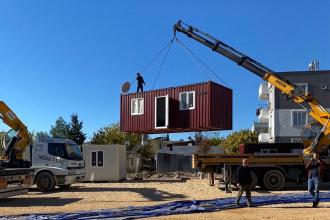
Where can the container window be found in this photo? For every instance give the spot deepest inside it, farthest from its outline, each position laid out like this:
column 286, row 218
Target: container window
column 93, row 159
column 100, row 158
column 161, row 112
column 137, row 106
column 187, row 100
column 97, row 158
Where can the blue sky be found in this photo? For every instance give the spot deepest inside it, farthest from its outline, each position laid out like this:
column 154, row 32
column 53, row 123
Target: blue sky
column 59, row 57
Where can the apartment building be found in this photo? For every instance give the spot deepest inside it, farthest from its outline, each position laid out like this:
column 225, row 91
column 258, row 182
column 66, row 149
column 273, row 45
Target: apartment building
column 280, row 120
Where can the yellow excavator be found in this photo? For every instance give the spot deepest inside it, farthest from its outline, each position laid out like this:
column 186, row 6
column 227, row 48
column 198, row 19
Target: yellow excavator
column 22, row 139
column 319, row 143
column 15, row 172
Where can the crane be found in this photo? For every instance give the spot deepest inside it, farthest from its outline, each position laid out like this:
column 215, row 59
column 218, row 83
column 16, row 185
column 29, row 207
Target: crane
column 296, row 93
column 20, row 140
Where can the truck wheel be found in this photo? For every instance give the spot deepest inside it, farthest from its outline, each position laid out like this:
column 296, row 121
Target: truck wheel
column 65, row 186
column 274, row 180
column 45, row 182
column 254, row 180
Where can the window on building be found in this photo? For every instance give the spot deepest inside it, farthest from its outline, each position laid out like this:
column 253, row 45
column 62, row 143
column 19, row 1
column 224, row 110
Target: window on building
column 187, row 100
column 299, row 118
column 303, row 87
column 97, row 158
column 137, row 106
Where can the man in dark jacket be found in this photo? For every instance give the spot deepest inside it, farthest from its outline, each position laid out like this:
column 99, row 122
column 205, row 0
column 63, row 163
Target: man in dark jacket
column 244, row 180
column 314, row 168
column 140, row 82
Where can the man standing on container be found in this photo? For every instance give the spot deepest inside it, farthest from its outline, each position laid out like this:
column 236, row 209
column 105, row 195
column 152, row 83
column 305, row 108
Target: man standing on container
column 314, row 167
column 244, row 181
column 140, row 82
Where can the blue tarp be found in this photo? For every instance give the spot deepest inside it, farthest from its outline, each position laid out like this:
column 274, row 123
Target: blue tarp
column 175, row 208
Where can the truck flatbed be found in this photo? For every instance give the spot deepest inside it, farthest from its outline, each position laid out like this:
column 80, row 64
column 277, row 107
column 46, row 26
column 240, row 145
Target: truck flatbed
column 203, row 161
column 14, row 171
column 269, row 170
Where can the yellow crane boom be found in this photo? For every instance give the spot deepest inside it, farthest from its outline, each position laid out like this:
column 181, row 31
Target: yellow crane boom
column 297, row 94
column 22, row 138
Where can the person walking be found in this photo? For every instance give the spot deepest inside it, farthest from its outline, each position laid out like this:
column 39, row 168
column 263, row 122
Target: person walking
column 314, row 168
column 244, row 181
column 140, row 82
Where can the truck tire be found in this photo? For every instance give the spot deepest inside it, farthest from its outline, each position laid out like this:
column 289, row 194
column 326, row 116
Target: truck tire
column 274, row 180
column 65, row 186
column 45, row 182
column 254, row 180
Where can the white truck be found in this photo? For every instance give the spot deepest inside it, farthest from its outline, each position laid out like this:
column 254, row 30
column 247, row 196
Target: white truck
column 55, row 162
column 46, row 162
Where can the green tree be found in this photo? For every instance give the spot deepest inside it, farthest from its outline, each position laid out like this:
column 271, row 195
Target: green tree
column 111, row 134
column 213, row 139
column 232, row 141
column 40, row 134
column 60, row 129
column 75, row 132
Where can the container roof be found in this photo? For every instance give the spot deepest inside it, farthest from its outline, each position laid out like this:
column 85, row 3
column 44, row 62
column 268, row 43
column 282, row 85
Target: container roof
column 176, row 87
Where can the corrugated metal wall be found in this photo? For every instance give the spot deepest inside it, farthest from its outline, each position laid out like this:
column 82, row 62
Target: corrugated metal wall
column 212, row 111
column 173, row 163
column 222, row 109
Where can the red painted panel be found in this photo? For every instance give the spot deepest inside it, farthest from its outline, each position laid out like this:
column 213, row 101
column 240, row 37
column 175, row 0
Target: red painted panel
column 213, row 110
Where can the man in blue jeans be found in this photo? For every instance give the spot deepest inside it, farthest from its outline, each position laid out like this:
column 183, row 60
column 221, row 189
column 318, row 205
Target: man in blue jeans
column 314, row 167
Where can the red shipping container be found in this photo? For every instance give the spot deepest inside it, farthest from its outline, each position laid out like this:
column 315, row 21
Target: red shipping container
column 197, row 107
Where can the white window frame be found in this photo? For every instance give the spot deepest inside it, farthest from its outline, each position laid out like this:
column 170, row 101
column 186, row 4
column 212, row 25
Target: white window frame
column 303, row 84
column 187, row 97
column 97, row 158
column 132, row 106
column 306, row 119
column 167, row 110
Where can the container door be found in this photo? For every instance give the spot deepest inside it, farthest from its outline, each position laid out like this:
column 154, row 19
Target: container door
column 161, row 112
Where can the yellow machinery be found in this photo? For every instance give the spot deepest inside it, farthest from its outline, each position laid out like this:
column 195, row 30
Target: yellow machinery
column 320, row 142
column 20, row 140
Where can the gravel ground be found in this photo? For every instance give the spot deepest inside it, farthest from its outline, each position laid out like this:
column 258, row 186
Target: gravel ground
column 94, row 196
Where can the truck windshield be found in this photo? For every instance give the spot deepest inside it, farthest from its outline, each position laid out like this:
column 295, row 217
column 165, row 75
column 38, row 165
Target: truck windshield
column 73, row 151
column 64, row 150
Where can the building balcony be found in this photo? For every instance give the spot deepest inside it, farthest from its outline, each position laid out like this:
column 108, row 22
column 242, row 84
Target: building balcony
column 263, row 114
column 260, row 127
column 263, row 91
column 264, row 138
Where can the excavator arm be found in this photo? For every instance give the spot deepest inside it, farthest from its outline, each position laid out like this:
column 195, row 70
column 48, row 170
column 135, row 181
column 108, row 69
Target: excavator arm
column 22, row 138
column 296, row 93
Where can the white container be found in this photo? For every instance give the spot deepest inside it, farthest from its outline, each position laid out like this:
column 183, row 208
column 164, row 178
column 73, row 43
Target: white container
column 104, row 162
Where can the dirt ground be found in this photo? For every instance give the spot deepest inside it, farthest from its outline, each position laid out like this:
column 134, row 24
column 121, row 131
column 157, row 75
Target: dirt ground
column 95, row 196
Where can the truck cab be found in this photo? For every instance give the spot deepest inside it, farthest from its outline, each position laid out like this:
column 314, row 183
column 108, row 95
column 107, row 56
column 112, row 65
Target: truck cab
column 55, row 162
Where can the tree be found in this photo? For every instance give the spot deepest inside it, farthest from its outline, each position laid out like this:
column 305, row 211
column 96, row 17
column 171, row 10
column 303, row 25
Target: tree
column 75, row 130
column 111, row 134
column 199, row 138
column 204, row 147
column 40, row 134
column 213, row 139
column 61, row 128
column 232, row 141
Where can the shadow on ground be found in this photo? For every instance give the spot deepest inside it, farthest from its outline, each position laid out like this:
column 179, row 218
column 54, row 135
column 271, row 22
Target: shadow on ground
column 151, row 194
column 28, row 202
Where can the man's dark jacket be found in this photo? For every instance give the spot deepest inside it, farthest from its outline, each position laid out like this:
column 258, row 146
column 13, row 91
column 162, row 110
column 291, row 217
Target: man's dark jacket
column 244, row 176
column 319, row 165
